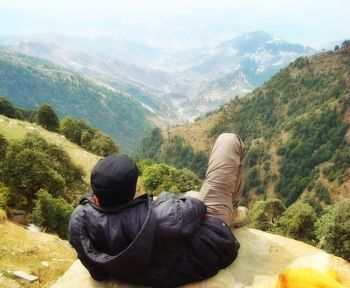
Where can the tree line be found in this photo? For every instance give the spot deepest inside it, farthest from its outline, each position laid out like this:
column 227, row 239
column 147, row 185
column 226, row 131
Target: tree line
column 76, row 130
column 173, row 151
column 40, row 178
column 327, row 228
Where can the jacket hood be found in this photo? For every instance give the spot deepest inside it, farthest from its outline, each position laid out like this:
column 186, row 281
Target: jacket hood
column 130, row 257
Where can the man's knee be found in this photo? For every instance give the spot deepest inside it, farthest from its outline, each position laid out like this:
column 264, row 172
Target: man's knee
column 232, row 139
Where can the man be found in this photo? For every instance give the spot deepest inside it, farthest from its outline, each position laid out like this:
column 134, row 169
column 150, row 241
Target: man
column 166, row 242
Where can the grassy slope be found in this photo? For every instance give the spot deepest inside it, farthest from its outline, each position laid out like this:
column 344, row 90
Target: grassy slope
column 21, row 249
column 196, row 134
column 15, row 129
column 271, row 111
column 28, row 82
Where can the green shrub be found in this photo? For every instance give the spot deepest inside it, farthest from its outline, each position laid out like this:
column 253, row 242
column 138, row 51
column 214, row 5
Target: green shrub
column 297, row 222
column 322, row 193
column 6, row 108
column 102, row 145
column 251, row 178
column 266, row 165
column 3, row 146
column 32, row 164
column 261, row 189
column 150, row 145
column 252, row 156
column 178, row 153
column 158, row 177
column 264, row 214
column 175, row 151
column 161, row 177
column 186, row 180
column 143, row 163
column 333, row 229
column 92, row 139
column 52, row 213
column 330, row 173
column 4, row 195
column 47, row 118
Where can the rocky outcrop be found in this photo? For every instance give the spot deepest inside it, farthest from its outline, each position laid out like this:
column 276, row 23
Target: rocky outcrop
column 262, row 258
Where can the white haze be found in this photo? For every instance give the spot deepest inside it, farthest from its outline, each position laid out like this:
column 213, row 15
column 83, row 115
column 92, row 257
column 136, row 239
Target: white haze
column 180, row 23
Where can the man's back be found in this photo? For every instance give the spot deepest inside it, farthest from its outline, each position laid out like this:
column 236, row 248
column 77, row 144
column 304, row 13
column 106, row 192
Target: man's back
column 162, row 243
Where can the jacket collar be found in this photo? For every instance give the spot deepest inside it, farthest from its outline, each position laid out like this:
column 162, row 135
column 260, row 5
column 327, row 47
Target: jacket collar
column 117, row 208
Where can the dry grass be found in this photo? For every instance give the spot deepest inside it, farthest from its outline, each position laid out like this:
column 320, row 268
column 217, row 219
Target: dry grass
column 21, row 249
column 196, row 133
column 3, row 216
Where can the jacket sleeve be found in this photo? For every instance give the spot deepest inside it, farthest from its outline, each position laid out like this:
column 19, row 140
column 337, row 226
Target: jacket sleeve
column 75, row 239
column 178, row 215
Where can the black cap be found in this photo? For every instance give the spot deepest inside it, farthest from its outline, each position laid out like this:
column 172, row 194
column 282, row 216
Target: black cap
column 113, row 180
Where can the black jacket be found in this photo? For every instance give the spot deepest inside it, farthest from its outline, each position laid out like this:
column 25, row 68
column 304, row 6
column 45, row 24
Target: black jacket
column 162, row 243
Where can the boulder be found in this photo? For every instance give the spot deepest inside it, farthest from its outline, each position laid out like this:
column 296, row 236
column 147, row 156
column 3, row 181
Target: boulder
column 262, row 257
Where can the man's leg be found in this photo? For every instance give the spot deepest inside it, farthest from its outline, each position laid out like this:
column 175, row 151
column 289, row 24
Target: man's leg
column 222, row 187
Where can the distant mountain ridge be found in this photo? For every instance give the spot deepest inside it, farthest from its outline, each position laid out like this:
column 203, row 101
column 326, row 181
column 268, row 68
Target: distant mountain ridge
column 233, row 69
column 175, row 84
column 28, row 82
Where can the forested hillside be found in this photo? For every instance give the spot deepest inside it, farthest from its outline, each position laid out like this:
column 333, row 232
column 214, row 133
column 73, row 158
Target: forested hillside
column 29, row 82
column 297, row 136
column 295, row 129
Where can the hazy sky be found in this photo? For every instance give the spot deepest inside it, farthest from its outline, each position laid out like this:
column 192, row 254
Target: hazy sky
column 311, row 22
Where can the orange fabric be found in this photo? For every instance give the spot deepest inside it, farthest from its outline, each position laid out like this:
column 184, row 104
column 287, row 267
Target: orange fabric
column 95, row 199
column 308, row 278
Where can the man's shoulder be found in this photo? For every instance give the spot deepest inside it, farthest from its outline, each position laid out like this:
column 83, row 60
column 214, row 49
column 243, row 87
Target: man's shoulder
column 170, row 197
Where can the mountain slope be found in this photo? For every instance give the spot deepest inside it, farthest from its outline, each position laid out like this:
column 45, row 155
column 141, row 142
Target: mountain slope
column 142, row 83
column 176, row 83
column 232, row 69
column 296, row 128
column 29, row 82
column 41, row 254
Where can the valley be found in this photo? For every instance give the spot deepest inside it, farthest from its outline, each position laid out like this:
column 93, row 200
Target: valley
column 177, row 85
column 154, row 84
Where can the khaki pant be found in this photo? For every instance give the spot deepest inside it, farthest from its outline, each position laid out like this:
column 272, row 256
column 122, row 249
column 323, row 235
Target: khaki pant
column 222, row 187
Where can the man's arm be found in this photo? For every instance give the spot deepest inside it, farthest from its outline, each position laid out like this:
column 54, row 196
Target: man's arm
column 178, row 215
column 75, row 232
